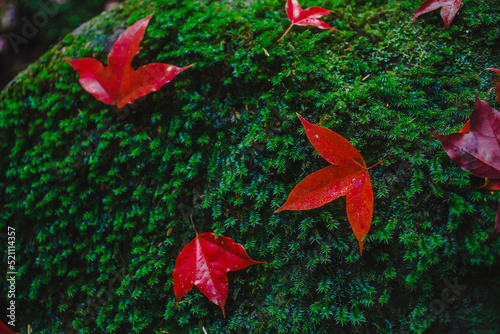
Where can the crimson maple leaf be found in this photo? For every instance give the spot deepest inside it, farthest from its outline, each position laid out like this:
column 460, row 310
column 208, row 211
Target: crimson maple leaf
column 449, row 9
column 498, row 82
column 204, row 262
column 476, row 148
column 348, row 176
column 118, row 83
column 304, row 17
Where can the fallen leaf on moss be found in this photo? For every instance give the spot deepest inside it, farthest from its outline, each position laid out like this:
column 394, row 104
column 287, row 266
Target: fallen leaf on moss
column 304, row 17
column 348, row 176
column 449, row 8
column 204, row 262
column 118, row 83
column 476, row 148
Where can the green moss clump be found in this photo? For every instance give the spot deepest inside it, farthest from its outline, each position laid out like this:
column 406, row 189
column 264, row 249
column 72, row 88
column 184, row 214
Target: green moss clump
column 100, row 197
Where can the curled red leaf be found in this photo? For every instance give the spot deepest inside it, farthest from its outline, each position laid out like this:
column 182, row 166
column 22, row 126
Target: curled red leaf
column 476, row 150
column 476, row 147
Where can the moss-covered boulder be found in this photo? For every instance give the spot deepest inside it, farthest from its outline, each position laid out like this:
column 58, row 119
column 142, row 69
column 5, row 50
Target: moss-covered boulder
column 100, row 197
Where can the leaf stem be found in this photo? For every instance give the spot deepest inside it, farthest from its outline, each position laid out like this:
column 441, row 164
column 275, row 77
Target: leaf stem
column 286, row 32
column 191, row 219
column 379, row 162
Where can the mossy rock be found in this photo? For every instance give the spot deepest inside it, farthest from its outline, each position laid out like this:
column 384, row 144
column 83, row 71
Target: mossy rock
column 100, row 197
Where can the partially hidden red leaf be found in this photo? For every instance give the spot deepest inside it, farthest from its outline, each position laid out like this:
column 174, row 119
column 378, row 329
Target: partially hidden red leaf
column 204, row 262
column 491, row 184
column 348, row 176
column 304, row 17
column 118, row 83
column 477, row 150
column 476, row 147
column 4, row 329
column 449, row 8
column 498, row 82
column 465, row 128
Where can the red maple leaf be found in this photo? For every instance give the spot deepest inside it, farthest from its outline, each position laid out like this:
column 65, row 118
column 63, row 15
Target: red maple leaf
column 348, row 176
column 204, row 262
column 118, row 83
column 498, row 82
column 476, row 148
column 449, row 9
column 304, row 17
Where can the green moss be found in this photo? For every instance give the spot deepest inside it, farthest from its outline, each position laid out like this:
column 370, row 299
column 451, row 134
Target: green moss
column 101, row 197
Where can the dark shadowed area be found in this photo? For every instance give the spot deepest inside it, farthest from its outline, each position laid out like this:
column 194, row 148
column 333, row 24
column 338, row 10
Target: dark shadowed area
column 29, row 28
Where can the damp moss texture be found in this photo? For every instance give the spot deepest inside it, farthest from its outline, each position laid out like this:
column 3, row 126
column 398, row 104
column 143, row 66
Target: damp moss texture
column 100, row 197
